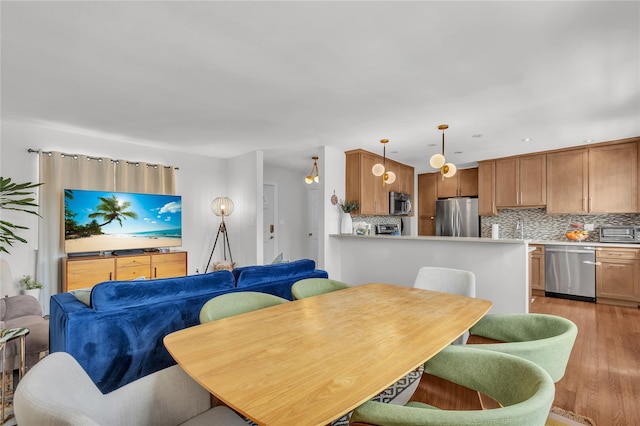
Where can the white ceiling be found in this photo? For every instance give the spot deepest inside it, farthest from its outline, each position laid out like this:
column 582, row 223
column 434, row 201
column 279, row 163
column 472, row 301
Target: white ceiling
column 226, row 78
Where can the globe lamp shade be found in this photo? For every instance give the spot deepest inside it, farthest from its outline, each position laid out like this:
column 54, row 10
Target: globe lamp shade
column 389, row 177
column 437, row 161
column 222, row 206
column 449, row 169
column 377, row 169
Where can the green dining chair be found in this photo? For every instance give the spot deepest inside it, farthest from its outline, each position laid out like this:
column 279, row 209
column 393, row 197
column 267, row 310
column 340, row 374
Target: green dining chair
column 230, row 304
column 315, row 286
column 544, row 339
column 524, row 390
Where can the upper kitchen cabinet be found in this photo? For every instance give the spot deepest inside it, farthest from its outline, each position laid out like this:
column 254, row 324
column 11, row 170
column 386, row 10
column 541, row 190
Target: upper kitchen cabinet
column 463, row 184
column 602, row 179
column 368, row 189
column 427, row 197
column 613, row 179
column 487, row 188
column 567, row 181
column 521, row 181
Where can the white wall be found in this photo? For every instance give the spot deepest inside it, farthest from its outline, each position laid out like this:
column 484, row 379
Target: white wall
column 333, row 174
column 291, row 222
column 245, row 224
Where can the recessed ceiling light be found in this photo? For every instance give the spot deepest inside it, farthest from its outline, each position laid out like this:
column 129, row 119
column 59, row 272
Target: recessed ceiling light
column 527, row 139
column 477, row 135
column 588, row 141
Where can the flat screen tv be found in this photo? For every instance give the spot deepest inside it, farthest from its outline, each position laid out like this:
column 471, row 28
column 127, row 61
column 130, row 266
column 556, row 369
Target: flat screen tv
column 96, row 221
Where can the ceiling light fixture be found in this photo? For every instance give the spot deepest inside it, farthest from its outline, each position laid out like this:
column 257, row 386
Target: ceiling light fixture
column 311, row 178
column 438, row 161
column 381, row 169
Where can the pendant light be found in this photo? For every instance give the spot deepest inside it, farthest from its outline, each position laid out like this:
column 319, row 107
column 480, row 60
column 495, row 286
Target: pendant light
column 437, row 161
column 378, row 169
column 311, row 178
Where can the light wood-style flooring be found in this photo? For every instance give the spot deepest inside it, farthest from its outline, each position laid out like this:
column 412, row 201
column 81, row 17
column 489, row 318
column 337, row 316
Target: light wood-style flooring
column 602, row 380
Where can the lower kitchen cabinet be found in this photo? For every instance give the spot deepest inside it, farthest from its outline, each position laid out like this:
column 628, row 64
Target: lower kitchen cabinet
column 618, row 276
column 536, row 270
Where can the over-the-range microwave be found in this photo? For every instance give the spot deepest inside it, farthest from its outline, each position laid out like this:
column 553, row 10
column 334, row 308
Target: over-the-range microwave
column 399, row 204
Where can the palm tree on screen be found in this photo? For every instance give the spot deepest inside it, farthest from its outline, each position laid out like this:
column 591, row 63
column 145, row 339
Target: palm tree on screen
column 111, row 209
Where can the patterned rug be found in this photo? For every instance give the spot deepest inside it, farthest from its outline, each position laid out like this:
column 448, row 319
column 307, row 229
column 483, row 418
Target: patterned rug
column 401, row 391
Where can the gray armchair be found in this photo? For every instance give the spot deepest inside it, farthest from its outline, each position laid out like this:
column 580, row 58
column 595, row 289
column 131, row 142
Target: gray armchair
column 24, row 311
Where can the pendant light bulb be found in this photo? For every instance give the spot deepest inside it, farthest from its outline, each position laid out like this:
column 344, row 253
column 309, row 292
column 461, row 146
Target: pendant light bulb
column 377, row 169
column 316, row 179
column 308, row 179
column 437, row 161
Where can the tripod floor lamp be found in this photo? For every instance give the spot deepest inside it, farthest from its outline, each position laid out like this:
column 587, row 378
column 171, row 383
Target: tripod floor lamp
column 221, row 206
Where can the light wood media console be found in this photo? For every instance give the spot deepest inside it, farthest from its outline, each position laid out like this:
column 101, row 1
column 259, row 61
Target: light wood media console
column 85, row 272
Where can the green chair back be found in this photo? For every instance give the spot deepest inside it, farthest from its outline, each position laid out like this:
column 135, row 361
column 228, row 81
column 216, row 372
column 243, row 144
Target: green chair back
column 230, row 304
column 524, row 390
column 544, row 339
column 315, row 286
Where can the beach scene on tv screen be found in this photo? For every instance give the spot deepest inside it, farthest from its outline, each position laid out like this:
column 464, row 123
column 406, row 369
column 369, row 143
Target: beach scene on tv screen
column 107, row 221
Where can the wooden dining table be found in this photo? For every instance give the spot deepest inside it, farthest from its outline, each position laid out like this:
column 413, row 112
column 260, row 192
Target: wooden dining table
column 311, row 361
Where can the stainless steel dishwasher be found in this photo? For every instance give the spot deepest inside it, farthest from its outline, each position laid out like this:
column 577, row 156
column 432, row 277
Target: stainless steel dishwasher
column 570, row 272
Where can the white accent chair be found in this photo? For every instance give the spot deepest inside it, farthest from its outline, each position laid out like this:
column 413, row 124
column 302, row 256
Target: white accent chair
column 57, row 391
column 447, row 280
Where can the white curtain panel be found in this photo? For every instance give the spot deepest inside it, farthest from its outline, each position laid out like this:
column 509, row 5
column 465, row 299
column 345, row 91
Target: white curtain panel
column 60, row 171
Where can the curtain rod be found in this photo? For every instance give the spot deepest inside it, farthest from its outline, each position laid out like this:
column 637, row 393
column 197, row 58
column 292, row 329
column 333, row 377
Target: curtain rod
column 75, row 157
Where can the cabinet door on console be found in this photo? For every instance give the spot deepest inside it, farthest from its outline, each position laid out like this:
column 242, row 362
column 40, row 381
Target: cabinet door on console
column 85, row 273
column 167, row 265
column 131, row 267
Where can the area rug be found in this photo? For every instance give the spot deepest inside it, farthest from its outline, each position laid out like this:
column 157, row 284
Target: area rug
column 560, row 417
column 401, row 391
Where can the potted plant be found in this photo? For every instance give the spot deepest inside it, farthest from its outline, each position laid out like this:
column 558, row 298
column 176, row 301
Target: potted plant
column 17, row 197
column 346, row 223
column 31, row 286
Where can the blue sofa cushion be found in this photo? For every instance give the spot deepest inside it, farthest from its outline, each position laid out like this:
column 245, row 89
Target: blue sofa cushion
column 250, row 275
column 113, row 295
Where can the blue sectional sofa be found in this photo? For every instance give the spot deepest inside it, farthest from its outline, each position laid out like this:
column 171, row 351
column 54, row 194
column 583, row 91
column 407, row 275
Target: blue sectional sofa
column 117, row 337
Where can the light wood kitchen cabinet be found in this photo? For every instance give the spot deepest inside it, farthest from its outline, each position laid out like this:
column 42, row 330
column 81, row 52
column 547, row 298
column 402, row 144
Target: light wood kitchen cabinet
column 613, row 179
column 593, row 180
column 536, row 270
column 487, row 188
column 521, row 181
column 368, row 189
column 567, row 181
column 463, row 184
column 427, row 197
column 618, row 276
column 86, row 272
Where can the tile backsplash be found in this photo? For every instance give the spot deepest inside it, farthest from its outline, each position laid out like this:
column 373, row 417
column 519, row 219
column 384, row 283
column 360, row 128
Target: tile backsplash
column 538, row 225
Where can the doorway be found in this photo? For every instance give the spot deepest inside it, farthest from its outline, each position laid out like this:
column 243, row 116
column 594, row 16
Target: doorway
column 269, row 234
column 313, row 206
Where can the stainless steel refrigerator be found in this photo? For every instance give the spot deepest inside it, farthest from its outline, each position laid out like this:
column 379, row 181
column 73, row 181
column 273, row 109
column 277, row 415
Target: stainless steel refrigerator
column 457, row 217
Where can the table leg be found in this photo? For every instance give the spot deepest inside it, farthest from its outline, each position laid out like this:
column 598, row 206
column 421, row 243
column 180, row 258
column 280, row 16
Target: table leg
column 23, row 340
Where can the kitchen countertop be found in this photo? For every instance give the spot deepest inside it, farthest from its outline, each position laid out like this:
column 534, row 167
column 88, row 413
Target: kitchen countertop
column 491, row 240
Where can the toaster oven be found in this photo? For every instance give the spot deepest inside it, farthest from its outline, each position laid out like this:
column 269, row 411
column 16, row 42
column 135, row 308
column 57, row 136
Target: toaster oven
column 620, row 234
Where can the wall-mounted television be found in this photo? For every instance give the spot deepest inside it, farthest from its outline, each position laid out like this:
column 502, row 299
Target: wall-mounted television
column 96, row 221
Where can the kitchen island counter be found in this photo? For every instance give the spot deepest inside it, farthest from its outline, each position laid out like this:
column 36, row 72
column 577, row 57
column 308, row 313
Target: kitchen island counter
column 500, row 266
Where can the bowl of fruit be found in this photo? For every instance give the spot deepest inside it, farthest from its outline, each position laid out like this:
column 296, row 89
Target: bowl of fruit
column 577, row 233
